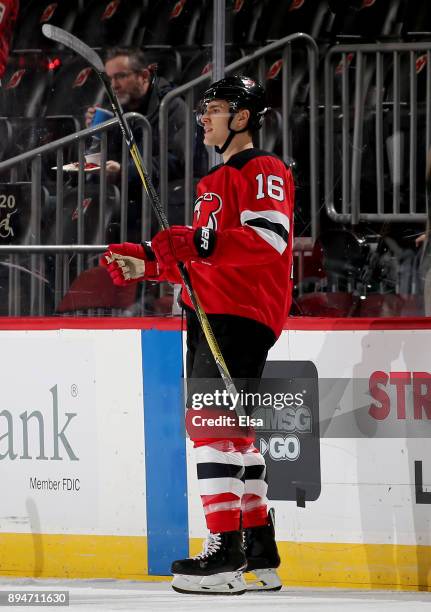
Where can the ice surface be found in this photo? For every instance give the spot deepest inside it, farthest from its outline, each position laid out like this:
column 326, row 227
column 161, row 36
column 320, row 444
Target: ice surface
column 110, row 595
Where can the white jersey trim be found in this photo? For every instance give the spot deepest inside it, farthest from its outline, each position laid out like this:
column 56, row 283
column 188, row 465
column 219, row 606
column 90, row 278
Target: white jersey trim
column 271, row 225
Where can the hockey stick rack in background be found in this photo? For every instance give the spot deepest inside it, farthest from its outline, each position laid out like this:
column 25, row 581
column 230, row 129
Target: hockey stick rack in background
column 71, row 42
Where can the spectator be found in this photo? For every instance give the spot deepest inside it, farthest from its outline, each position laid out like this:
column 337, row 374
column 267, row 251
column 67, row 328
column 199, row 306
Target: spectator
column 140, row 90
column 8, row 15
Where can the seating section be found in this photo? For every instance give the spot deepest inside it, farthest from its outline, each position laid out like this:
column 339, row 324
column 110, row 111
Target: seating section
column 46, row 91
column 90, row 216
column 76, row 87
column 108, row 23
column 166, row 60
column 93, row 289
column 24, row 85
column 368, row 20
column 334, row 304
column 279, row 19
column 416, row 20
column 172, row 22
column 28, row 34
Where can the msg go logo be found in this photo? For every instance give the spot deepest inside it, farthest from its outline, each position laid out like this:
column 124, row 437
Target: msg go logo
column 281, row 448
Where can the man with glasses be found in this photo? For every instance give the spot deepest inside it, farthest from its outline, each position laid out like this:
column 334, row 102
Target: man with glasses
column 139, row 89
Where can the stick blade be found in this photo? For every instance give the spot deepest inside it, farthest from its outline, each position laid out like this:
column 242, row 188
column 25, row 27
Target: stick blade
column 70, row 41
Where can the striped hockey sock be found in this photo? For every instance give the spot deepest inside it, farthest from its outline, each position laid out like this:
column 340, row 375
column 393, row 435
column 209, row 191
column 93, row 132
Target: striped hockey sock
column 254, row 501
column 220, row 471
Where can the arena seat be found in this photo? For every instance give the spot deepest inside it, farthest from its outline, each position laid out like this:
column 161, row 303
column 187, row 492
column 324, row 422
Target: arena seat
column 92, row 289
column 311, row 274
column 279, row 19
column 317, row 304
column 15, row 220
column 271, row 131
column 404, row 131
column 201, row 63
column 299, row 87
column 381, row 305
column 76, row 87
column 108, row 23
column 204, row 34
column 412, row 306
column 416, row 20
column 28, row 32
column 345, row 253
column 16, row 229
column 367, row 20
column 24, row 85
column 172, row 22
column 23, row 134
column 166, row 58
column 5, row 137
column 90, row 217
column 246, row 16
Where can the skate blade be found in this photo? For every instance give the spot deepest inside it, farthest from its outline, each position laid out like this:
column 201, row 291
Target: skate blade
column 266, row 580
column 226, row 583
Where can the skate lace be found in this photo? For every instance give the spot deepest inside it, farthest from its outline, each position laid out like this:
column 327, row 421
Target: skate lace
column 212, row 545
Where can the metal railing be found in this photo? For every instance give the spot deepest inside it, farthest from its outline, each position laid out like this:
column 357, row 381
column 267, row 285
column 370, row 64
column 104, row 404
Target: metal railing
column 385, row 127
column 41, row 238
column 385, row 101
column 187, row 91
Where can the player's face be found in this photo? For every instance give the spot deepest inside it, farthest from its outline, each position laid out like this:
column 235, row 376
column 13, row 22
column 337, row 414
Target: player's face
column 215, row 120
column 129, row 85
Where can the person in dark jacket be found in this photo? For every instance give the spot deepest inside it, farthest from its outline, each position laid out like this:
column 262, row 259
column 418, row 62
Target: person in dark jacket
column 140, row 89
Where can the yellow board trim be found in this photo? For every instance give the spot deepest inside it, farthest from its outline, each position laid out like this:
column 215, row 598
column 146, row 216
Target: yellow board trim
column 73, row 556
column 309, row 564
column 351, row 566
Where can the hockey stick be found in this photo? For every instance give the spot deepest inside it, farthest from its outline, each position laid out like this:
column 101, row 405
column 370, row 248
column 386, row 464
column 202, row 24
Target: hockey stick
column 71, row 42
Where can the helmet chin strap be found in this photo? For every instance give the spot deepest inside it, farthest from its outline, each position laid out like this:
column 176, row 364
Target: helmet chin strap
column 232, row 134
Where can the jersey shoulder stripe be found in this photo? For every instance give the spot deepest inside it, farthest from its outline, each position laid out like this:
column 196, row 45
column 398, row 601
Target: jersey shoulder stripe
column 271, row 225
column 239, row 160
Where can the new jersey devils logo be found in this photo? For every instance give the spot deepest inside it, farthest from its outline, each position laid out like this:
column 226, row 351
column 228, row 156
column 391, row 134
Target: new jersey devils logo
column 110, row 10
column 82, row 77
column 177, row 10
column 296, row 4
column 420, row 63
column 274, row 70
column 238, row 6
column 206, row 208
column 85, row 204
column 16, row 79
column 207, row 68
column 48, row 12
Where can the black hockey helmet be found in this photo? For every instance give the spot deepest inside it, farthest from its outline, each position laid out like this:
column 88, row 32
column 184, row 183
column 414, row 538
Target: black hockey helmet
column 240, row 92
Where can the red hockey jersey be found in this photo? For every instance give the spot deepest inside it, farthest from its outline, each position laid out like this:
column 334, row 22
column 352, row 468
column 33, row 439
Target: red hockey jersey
column 249, row 202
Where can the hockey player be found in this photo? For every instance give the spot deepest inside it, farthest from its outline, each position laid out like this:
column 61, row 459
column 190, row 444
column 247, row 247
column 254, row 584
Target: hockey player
column 239, row 256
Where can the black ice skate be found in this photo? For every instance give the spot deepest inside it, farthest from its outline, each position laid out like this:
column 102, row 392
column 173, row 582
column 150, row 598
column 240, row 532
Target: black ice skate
column 217, row 570
column 262, row 556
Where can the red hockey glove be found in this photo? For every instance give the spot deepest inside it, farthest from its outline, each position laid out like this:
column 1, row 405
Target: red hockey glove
column 130, row 263
column 182, row 243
